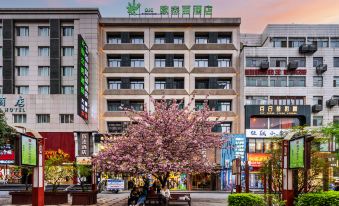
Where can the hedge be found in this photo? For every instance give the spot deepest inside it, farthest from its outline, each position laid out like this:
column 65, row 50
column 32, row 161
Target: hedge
column 330, row 198
column 245, row 199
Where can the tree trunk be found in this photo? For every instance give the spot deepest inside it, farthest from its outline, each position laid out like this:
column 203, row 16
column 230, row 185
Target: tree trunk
column 163, row 179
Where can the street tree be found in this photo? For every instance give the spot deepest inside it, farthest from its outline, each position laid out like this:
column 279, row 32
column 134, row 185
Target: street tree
column 170, row 139
column 6, row 131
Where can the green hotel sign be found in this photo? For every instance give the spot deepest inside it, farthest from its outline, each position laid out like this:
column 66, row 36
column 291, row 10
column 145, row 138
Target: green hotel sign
column 134, row 9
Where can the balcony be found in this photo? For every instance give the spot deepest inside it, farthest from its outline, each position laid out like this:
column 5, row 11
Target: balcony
column 317, row 108
column 165, row 88
column 331, row 103
column 292, row 65
column 264, row 65
column 320, row 69
column 307, row 49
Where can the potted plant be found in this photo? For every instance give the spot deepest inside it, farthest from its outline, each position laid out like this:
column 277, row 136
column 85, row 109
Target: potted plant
column 23, row 197
column 58, row 169
column 86, row 196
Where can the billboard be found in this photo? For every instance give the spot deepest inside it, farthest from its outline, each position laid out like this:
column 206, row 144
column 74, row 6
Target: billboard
column 297, row 153
column 234, row 147
column 257, row 159
column 83, row 80
column 28, row 146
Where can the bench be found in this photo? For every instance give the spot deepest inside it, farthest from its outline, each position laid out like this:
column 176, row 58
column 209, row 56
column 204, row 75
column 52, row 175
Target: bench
column 178, row 197
column 155, row 200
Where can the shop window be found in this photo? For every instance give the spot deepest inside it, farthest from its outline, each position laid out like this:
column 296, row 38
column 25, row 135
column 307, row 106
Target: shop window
column 258, row 123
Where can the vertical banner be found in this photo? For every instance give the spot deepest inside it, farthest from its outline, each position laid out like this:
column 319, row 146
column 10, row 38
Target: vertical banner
column 83, row 79
column 84, row 145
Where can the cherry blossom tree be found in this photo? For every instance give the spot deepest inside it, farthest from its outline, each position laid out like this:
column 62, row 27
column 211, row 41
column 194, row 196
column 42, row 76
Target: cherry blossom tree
column 170, row 139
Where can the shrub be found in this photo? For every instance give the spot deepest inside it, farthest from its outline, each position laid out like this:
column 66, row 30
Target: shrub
column 330, row 198
column 245, row 199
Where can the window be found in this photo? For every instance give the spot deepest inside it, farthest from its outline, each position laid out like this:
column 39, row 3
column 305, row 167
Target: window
column 295, row 42
column 321, row 42
column 0, row 31
column 137, row 40
column 22, row 51
column 67, row 90
column 67, row 71
column 137, row 84
column 22, row 31
column 336, row 119
column 317, row 81
column 67, row 51
column 335, row 42
column 287, row 100
column 278, row 81
column 160, row 62
column 224, row 40
column 114, row 62
column 201, row 62
column 257, row 81
column 113, row 39
column 178, row 63
column 19, row 118
column 317, row 100
column 296, row 81
column 43, row 31
column 43, row 71
column 114, row 84
column 114, row 106
column 178, row 40
column 224, row 127
column 279, row 42
column 301, row 61
column 22, row 71
column 1, row 90
column 224, row 62
column 67, row 31
column 42, row 118
column 22, row 89
column 251, row 145
column 201, row 40
column 335, row 61
column 43, row 89
column 224, row 105
column 160, row 84
column 256, row 100
column 224, row 84
column 137, row 63
column 317, row 120
column 66, row 118
column 336, row 81
column 43, row 51
column 278, row 61
column 117, row 127
column 0, row 51
column 317, row 61
column 255, row 61
column 0, row 71
column 159, row 40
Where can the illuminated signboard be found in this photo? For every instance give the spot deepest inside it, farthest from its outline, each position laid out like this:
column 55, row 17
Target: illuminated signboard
column 28, row 150
column 134, row 9
column 83, row 79
column 297, row 153
column 255, row 72
column 257, row 159
column 7, row 153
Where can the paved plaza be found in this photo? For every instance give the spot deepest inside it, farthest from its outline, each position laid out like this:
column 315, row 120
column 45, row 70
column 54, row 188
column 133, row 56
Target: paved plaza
column 198, row 199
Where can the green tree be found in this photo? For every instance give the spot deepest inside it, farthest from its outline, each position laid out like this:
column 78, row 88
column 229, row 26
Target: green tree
column 83, row 172
column 6, row 131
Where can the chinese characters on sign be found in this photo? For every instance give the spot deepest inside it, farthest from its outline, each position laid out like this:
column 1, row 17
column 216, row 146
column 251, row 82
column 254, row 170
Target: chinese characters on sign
column 278, row 110
column 19, row 105
column 255, row 72
column 134, row 9
column 84, row 145
column 83, row 80
column 265, row 132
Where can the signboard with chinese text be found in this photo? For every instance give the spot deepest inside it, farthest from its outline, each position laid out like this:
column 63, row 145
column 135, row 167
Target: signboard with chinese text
column 115, row 184
column 83, row 78
column 266, row 132
column 297, row 153
column 275, row 72
column 7, row 154
column 84, row 145
column 257, row 159
column 16, row 106
column 29, row 153
column 134, row 9
column 84, row 160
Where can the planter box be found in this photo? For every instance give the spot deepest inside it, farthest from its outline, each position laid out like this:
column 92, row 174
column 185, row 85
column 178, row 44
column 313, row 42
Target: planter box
column 21, row 198
column 84, row 198
column 55, row 198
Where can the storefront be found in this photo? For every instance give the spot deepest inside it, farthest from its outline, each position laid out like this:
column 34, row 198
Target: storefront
column 263, row 124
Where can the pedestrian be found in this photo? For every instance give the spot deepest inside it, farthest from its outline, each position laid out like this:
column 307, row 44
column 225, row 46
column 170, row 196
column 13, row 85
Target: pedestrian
column 133, row 197
column 143, row 196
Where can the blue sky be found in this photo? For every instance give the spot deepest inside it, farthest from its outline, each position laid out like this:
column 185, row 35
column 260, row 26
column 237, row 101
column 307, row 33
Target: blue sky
column 255, row 14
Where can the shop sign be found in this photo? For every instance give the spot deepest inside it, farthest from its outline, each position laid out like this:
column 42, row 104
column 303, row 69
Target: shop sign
column 17, row 107
column 278, row 110
column 7, row 154
column 297, row 153
column 83, row 79
column 84, row 145
column 274, row 72
column 134, row 9
column 234, row 147
column 257, row 159
column 266, row 132
column 28, row 147
column 84, row 160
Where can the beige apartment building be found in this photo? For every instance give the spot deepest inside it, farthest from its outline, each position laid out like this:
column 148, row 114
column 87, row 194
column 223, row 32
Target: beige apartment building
column 172, row 58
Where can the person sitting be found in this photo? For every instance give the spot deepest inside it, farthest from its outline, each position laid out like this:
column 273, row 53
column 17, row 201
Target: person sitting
column 133, row 197
column 166, row 195
column 143, row 196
